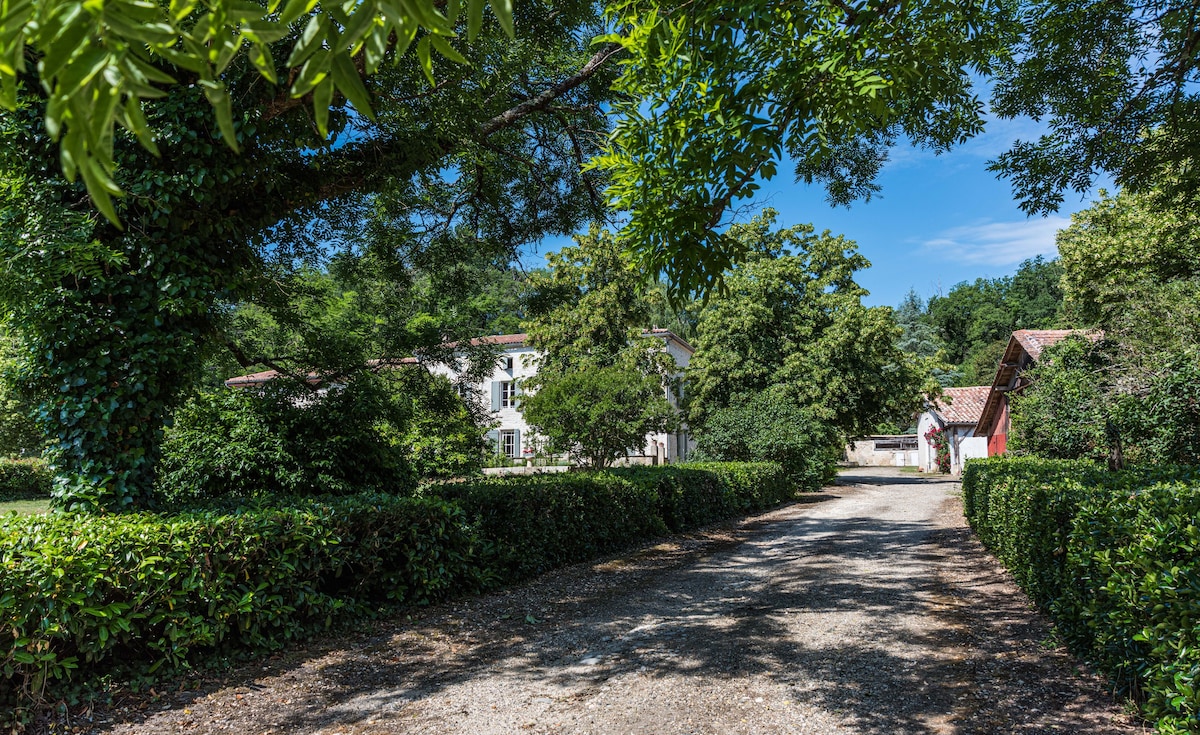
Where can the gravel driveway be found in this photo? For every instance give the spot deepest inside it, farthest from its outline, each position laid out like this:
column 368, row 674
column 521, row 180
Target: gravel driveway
column 868, row 608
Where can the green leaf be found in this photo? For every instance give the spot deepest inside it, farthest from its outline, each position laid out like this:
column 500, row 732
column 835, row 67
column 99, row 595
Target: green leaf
column 445, row 49
column 345, row 76
column 474, row 19
column 218, row 97
column 504, row 13
column 424, row 59
column 322, row 99
column 260, row 56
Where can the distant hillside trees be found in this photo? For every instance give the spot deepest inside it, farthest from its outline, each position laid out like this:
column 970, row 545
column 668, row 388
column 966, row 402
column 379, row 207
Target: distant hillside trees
column 974, row 320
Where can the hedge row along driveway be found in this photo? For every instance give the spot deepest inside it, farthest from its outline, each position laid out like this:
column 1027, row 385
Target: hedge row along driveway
column 140, row 594
column 867, row 609
column 1114, row 557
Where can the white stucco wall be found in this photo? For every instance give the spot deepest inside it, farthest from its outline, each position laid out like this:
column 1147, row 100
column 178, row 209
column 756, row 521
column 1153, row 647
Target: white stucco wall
column 973, row 447
column 926, row 459
column 674, row 447
column 963, row 444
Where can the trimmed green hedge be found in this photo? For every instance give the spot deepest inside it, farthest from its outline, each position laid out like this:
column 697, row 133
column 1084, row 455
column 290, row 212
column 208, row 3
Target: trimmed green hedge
column 535, row 523
column 1114, row 557
column 695, row 494
column 24, row 479
column 142, row 591
column 138, row 593
column 539, row 522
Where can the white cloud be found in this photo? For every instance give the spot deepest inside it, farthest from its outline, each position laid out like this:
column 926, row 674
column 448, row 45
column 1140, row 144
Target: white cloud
column 996, row 243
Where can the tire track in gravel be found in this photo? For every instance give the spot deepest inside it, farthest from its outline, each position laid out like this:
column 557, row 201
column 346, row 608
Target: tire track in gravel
column 868, row 608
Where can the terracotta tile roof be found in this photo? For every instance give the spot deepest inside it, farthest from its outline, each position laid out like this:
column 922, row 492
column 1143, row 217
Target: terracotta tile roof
column 1036, row 340
column 1031, row 342
column 507, row 340
column 267, row 376
column 962, row 405
column 252, row 379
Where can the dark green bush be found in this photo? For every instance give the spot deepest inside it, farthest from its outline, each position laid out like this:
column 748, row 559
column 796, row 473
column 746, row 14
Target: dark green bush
column 539, row 522
column 24, row 479
column 1112, row 556
column 282, row 438
column 143, row 591
column 698, row 493
column 771, row 428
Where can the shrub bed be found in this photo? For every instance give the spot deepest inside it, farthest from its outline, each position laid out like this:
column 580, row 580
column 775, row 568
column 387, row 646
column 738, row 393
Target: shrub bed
column 1114, row 557
column 691, row 495
column 534, row 523
column 145, row 592
column 24, row 479
column 140, row 593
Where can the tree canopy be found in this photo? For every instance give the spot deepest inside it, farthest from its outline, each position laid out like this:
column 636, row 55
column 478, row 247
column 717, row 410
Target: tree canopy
column 974, row 320
column 1132, row 268
column 1117, row 84
column 714, row 95
column 98, row 63
column 793, row 317
column 601, row 384
column 113, row 322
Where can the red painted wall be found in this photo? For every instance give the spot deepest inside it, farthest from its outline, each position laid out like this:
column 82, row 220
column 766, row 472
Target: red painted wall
column 998, row 431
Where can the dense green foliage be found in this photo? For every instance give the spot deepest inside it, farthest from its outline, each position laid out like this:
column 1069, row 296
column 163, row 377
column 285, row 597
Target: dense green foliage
column 114, row 324
column 1116, row 84
column 287, row 439
column 98, row 65
column 792, row 320
column 23, row 479
column 19, row 434
column 696, row 493
column 601, row 385
column 770, row 428
column 600, row 413
column 135, row 593
column 715, row 94
column 376, row 431
column 1130, row 273
column 1086, row 402
column 1132, row 269
column 1112, row 556
column 539, row 522
column 132, row 594
column 974, row 320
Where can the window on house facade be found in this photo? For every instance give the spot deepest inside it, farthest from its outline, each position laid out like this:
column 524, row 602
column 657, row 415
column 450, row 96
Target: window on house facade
column 509, row 446
column 507, row 363
column 508, row 394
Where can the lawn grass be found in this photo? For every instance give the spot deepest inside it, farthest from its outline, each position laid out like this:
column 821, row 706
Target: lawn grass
column 25, row 507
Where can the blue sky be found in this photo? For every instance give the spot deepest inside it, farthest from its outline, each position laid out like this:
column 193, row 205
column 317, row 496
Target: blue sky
column 938, row 221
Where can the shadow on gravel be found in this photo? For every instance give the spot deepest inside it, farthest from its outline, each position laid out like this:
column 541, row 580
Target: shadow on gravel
column 744, row 607
column 713, row 617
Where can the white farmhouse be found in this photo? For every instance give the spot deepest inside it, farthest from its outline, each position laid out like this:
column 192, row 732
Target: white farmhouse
column 955, row 413
column 501, row 393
